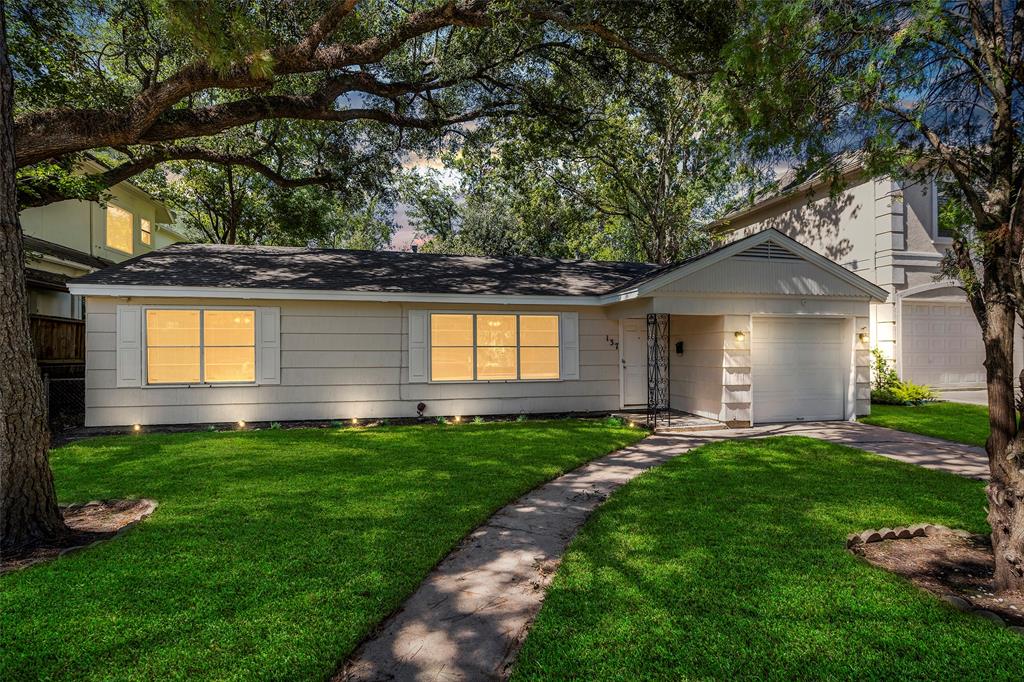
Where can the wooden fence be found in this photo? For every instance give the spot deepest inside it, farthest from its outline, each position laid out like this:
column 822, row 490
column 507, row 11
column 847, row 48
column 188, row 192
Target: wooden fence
column 58, row 339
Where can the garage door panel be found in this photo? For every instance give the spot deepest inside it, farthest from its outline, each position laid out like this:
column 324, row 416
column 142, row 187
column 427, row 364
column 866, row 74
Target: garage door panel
column 942, row 345
column 797, row 369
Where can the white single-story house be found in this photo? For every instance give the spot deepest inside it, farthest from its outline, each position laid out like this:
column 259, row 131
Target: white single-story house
column 763, row 329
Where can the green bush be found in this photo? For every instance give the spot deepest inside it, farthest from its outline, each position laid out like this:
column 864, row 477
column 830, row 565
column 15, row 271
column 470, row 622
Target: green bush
column 888, row 389
column 478, row 419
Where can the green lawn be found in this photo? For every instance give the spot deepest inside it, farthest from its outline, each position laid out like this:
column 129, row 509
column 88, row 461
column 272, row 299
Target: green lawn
column 951, row 421
column 730, row 563
column 273, row 553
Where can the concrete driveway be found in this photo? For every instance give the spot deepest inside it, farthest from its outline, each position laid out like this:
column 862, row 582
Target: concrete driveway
column 979, row 397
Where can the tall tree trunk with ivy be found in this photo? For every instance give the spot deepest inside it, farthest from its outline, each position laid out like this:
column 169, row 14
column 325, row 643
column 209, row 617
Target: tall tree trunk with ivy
column 28, row 502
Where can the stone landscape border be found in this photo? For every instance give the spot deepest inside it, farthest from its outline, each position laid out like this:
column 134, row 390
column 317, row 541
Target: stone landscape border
column 919, row 530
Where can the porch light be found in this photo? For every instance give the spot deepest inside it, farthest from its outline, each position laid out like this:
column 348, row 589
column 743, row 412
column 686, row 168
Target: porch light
column 864, row 337
column 740, row 336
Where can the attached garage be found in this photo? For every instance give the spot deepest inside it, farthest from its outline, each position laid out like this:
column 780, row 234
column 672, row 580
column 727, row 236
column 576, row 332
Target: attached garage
column 942, row 344
column 798, row 369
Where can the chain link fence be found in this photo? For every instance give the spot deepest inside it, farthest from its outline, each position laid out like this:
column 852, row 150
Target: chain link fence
column 65, row 398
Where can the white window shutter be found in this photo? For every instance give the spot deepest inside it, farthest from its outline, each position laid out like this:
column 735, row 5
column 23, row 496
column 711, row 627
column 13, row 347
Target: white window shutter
column 569, row 345
column 129, row 345
column 419, row 332
column 268, row 341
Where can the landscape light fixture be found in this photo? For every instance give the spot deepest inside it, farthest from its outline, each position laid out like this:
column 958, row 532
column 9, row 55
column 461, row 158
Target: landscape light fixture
column 136, row 427
column 241, row 424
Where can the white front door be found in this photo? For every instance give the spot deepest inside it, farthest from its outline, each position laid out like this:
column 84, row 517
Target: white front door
column 797, row 367
column 634, row 361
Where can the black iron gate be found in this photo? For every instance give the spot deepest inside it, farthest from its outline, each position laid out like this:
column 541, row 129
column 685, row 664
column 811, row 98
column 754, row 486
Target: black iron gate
column 657, row 369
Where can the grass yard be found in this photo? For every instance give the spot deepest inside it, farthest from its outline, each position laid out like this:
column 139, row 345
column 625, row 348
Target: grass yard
column 273, row 553
column 951, row 421
column 730, row 563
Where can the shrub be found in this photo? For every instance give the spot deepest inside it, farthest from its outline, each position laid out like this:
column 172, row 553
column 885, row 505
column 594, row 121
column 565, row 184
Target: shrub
column 337, row 423
column 521, row 418
column 902, row 393
column 882, row 371
column 888, row 389
column 478, row 419
column 442, row 421
column 275, row 425
column 614, row 421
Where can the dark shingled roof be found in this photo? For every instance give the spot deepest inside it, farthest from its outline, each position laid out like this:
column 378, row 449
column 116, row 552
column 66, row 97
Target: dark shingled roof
column 274, row 267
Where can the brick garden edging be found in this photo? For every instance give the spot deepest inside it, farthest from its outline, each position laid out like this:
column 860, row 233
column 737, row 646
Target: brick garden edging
column 920, row 530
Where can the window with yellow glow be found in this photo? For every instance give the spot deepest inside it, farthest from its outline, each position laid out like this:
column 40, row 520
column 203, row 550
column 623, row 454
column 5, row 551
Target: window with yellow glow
column 538, row 346
column 493, row 347
column 496, row 347
column 229, row 345
column 146, row 231
column 451, row 347
column 172, row 346
column 200, row 346
column 119, row 229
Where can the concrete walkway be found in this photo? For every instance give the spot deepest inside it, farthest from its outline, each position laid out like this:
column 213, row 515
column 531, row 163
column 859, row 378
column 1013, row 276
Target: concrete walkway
column 469, row 617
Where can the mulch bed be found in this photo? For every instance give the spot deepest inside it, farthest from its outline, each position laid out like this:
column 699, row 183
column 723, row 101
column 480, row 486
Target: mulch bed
column 954, row 565
column 88, row 524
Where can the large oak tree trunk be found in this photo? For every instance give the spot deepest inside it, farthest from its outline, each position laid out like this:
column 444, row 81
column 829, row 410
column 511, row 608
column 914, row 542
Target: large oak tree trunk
column 1005, row 448
column 28, row 503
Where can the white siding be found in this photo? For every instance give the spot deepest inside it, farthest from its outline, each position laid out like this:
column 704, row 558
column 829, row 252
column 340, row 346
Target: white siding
column 341, row 360
column 743, row 275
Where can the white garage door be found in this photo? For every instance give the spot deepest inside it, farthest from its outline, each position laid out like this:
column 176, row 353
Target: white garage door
column 942, row 345
column 797, row 367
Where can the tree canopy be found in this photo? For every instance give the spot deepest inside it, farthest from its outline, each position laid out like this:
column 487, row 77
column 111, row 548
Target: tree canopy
column 161, row 82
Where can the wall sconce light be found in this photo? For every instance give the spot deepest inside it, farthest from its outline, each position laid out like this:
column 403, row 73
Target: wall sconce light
column 740, row 336
column 864, row 337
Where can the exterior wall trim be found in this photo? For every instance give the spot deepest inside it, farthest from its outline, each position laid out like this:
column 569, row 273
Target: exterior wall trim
column 317, row 295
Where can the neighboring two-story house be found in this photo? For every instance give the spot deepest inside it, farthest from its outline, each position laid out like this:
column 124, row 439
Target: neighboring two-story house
column 68, row 239
column 886, row 231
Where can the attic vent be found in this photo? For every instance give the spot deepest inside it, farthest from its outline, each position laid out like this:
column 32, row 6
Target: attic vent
column 768, row 251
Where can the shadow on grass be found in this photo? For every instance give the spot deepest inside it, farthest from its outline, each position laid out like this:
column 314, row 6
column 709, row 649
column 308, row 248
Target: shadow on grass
column 272, row 553
column 730, row 563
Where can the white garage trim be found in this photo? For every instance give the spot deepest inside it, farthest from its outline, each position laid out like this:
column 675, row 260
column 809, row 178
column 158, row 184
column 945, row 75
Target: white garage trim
column 835, row 394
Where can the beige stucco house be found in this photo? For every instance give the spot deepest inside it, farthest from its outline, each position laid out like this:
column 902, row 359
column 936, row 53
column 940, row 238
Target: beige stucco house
column 69, row 239
column 762, row 329
column 886, row 231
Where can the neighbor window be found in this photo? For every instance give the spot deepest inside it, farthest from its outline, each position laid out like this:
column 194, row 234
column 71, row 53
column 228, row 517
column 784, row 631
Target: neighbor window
column 146, row 231
column 119, row 229
column 951, row 217
column 493, row 347
column 200, row 346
